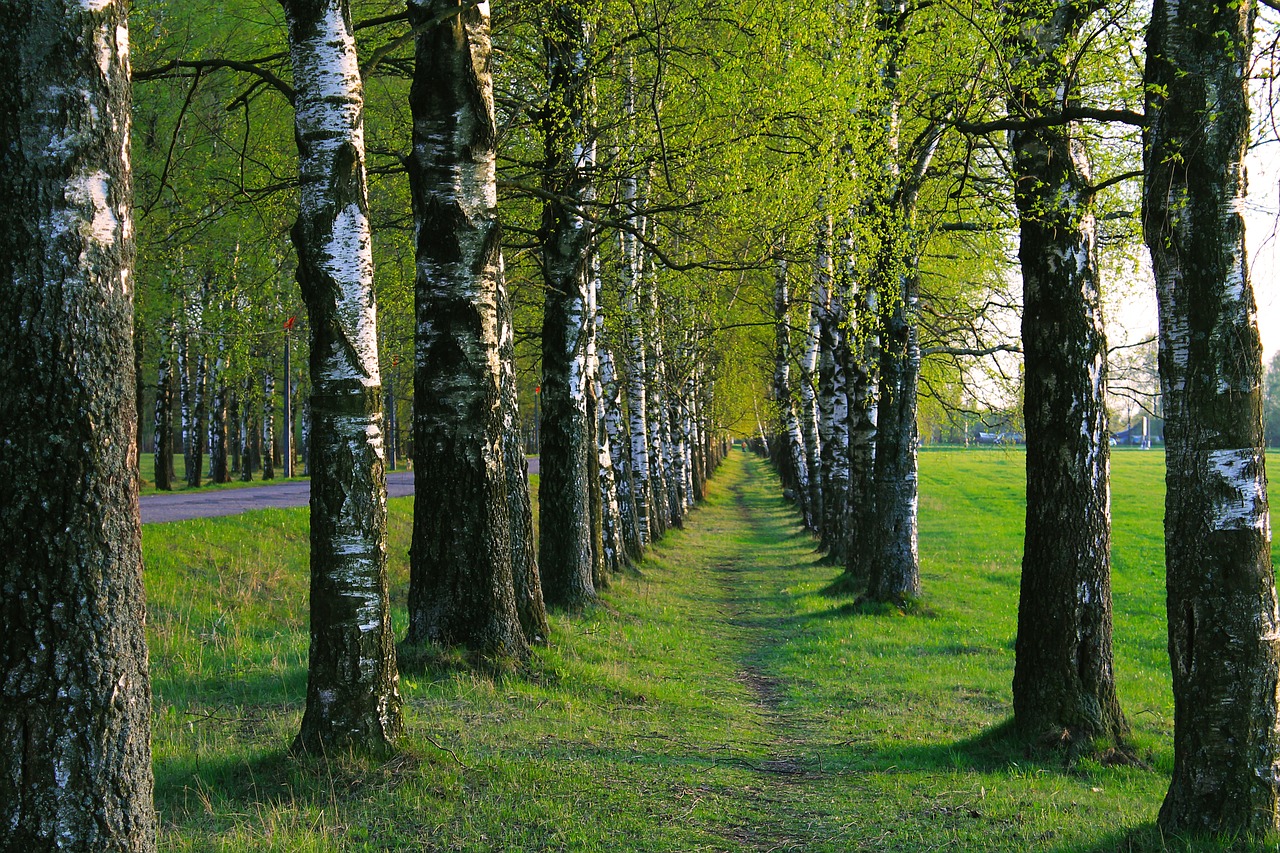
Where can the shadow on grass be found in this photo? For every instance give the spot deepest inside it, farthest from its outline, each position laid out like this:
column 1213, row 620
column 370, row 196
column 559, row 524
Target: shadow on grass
column 190, row 786
column 269, row 689
column 1148, row 838
column 434, row 661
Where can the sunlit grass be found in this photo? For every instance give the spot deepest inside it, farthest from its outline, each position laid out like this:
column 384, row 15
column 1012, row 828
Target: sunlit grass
column 717, row 700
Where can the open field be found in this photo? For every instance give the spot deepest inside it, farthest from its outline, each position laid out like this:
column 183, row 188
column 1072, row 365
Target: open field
column 718, row 700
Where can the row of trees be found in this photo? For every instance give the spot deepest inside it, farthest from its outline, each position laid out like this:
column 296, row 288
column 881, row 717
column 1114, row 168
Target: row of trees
column 662, row 213
column 846, row 395
column 474, row 580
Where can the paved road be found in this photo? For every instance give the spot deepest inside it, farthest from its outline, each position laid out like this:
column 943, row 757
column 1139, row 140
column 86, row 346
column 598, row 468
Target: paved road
column 207, row 504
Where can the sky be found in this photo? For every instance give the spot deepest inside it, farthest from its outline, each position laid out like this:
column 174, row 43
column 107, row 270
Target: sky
column 1132, row 305
column 1262, row 231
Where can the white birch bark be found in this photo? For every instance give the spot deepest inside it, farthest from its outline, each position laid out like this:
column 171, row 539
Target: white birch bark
column 797, row 475
column 1223, row 618
column 638, row 474
column 809, row 415
column 353, row 699
column 607, row 431
column 568, row 460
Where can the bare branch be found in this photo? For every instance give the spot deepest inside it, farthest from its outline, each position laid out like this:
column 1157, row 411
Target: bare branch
column 1067, row 116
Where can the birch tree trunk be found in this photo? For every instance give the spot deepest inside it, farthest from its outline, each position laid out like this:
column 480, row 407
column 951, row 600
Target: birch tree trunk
column 833, row 402
column 599, row 524
column 268, row 424
column 247, row 431
column 461, row 586
column 393, row 425
column 218, row 472
column 1223, row 622
column 637, row 392
column 567, row 459
column 620, row 463
column 895, row 574
column 660, row 414
column 164, row 470
column 524, row 554
column 634, row 346
column 200, row 421
column 797, row 475
column 861, row 369
column 608, row 430
column 75, row 755
column 809, row 415
column 353, row 700
column 1063, row 678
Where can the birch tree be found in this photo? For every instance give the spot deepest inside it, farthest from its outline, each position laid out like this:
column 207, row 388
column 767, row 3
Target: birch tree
column 353, row 698
column 568, row 461
column 75, row 709
column 462, row 589
column 1222, row 610
column 1063, row 674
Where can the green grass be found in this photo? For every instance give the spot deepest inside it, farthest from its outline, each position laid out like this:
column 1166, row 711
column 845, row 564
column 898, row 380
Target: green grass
column 717, row 700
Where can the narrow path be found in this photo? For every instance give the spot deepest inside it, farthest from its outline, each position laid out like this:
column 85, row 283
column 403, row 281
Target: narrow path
column 742, row 551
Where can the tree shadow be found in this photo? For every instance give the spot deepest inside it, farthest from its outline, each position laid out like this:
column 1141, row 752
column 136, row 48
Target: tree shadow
column 1148, row 838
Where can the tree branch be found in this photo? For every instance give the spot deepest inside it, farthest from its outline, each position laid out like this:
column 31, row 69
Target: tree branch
column 1065, row 117
column 966, row 351
column 200, row 65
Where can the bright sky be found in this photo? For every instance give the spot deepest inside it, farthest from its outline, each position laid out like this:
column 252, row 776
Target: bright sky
column 1262, row 223
column 1132, row 306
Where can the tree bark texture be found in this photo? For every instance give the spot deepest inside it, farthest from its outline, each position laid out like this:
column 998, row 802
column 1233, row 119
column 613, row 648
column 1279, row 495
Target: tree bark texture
column 75, row 699
column 792, row 447
column 268, row 425
column 599, row 524
column 218, row 445
column 1223, row 622
column 809, row 415
column 461, row 587
column 1063, row 681
column 895, row 574
column 353, row 700
column 861, row 368
column 568, row 459
column 609, row 431
column 524, row 547
column 164, row 471
column 833, row 403
column 637, row 390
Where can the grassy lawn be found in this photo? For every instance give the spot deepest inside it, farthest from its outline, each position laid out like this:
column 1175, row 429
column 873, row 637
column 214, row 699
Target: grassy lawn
column 717, row 700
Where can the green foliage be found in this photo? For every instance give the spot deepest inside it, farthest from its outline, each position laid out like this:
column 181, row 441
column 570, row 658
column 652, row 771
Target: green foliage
column 717, row 699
